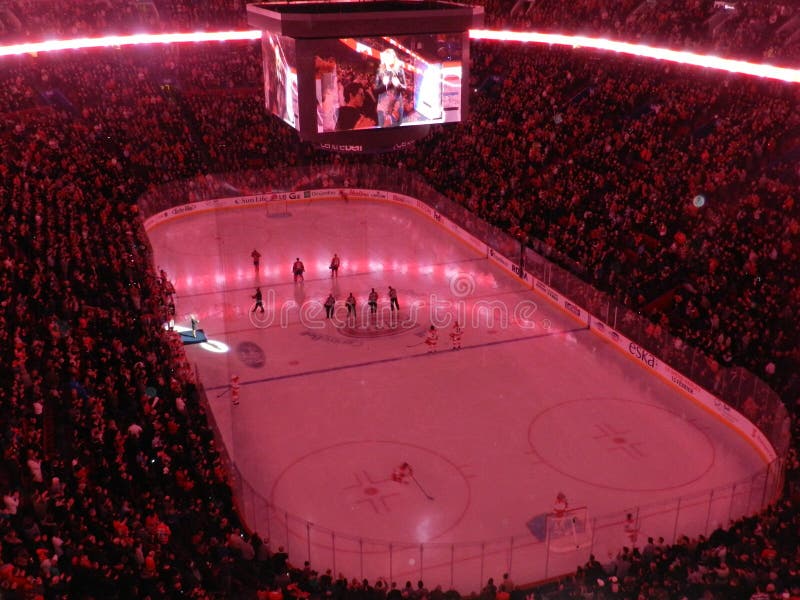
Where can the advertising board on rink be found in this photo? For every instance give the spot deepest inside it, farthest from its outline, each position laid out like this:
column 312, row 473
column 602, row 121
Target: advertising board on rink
column 731, row 416
column 500, row 260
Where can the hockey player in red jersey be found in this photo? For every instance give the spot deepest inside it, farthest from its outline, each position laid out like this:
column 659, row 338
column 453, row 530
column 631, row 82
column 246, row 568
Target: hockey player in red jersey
column 455, row 336
column 432, row 339
column 402, row 473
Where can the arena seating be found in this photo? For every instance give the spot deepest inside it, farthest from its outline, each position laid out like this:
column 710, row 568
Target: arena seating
column 112, row 485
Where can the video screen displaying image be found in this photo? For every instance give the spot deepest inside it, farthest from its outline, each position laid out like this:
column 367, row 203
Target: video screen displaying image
column 280, row 77
column 374, row 82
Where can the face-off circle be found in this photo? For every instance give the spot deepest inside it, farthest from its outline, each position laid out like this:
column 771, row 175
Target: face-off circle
column 620, row 444
column 356, row 478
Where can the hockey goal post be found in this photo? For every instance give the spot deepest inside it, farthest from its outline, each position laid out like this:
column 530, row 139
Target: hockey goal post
column 278, row 208
column 569, row 530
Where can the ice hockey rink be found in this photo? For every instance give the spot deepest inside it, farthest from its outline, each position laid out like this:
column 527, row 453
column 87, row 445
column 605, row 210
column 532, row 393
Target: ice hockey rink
column 533, row 403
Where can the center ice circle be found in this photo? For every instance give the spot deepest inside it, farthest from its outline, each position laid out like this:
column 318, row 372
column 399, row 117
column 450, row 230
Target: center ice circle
column 620, row 444
column 354, row 479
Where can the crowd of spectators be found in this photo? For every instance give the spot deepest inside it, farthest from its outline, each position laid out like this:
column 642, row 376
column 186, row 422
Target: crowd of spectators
column 35, row 20
column 752, row 30
column 762, row 30
column 757, row 558
column 112, row 484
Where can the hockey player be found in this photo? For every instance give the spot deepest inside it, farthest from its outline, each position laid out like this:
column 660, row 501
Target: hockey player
column 393, row 303
column 330, row 304
column 256, row 259
column 402, row 473
column 561, row 505
column 235, row 390
column 631, row 530
column 432, row 339
column 372, row 300
column 351, row 305
column 259, row 301
column 335, row 265
column 195, row 322
column 298, row 268
column 455, row 336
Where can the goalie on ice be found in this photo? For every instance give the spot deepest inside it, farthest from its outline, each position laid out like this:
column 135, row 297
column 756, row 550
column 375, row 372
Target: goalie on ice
column 402, row 473
column 560, row 506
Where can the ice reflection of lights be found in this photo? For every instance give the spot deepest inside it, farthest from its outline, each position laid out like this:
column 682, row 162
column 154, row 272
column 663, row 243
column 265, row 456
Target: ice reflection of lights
column 450, row 272
column 486, row 280
column 211, row 345
column 424, row 530
column 401, row 268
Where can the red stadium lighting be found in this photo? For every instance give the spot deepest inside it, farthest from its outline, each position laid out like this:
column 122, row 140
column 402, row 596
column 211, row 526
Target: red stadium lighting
column 127, row 40
column 687, row 58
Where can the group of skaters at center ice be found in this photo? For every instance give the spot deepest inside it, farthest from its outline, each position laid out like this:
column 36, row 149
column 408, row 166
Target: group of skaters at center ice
column 431, row 336
column 372, row 303
column 330, row 303
column 298, row 270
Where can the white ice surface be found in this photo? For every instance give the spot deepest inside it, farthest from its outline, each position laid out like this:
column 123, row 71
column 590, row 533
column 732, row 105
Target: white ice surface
column 533, row 404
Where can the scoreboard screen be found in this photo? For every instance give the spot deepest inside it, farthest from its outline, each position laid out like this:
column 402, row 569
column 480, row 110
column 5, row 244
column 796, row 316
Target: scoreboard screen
column 365, row 76
column 388, row 81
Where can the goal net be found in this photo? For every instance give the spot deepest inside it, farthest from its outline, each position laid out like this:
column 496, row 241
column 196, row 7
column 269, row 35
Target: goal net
column 570, row 530
column 278, row 208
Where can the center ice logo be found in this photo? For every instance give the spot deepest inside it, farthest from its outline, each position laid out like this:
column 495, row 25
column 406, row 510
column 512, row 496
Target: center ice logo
column 251, row 354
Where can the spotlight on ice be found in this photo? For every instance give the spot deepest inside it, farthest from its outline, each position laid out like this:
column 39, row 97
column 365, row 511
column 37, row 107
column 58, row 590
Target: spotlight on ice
column 214, row 346
column 699, row 201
